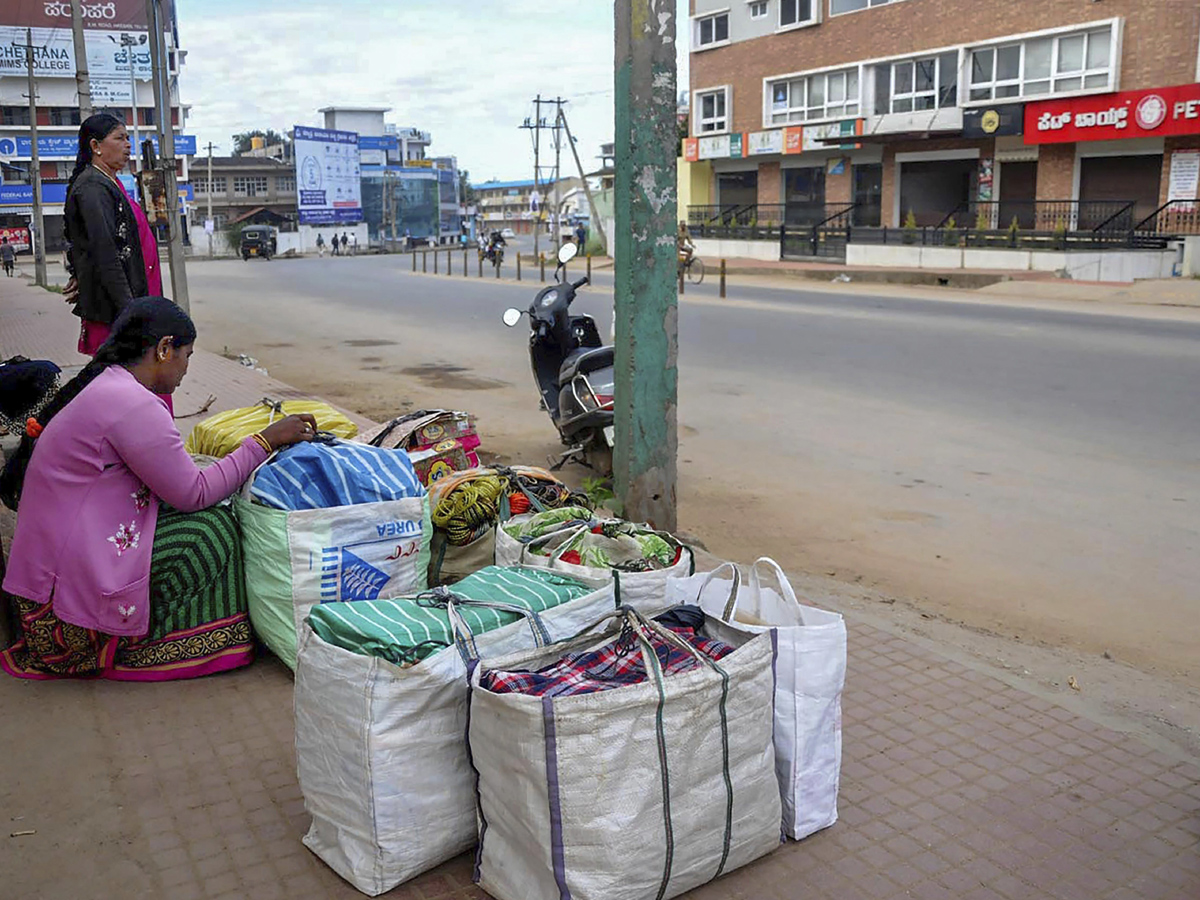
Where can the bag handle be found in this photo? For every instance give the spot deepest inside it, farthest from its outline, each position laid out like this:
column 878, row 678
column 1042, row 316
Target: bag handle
column 464, row 638
column 784, row 585
column 542, row 538
column 730, row 606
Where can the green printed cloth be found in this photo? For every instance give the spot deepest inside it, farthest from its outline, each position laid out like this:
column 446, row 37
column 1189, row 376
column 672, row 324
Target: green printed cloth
column 407, row 629
column 551, row 520
column 579, row 539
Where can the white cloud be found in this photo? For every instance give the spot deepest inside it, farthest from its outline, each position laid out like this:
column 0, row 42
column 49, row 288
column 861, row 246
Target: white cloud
column 467, row 72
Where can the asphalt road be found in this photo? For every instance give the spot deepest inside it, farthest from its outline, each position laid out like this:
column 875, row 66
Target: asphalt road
column 1031, row 469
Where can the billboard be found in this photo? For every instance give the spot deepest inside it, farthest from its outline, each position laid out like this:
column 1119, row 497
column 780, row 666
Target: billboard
column 111, row 15
column 1128, row 114
column 59, row 146
column 109, row 60
column 327, row 176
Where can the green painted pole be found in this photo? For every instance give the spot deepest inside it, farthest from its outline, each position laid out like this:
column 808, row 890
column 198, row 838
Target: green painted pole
column 647, row 305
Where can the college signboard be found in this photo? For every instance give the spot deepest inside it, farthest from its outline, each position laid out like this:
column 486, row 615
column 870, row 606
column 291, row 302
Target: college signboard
column 327, row 176
column 1129, row 114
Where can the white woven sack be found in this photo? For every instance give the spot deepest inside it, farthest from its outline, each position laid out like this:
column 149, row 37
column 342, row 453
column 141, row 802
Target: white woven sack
column 810, row 675
column 298, row 558
column 643, row 591
column 381, row 754
column 575, row 799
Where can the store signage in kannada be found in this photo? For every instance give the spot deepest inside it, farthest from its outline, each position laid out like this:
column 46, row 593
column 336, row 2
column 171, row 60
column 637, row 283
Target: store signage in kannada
column 994, row 121
column 115, row 15
column 327, row 176
column 1128, row 114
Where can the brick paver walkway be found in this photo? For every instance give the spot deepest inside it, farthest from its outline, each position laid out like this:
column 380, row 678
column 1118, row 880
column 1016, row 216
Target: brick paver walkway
column 954, row 784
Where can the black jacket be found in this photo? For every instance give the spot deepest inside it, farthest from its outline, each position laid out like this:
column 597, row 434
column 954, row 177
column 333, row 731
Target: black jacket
column 104, row 252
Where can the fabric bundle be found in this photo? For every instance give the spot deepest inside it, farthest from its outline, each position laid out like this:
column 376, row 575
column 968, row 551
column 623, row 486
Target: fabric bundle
column 406, row 630
column 574, row 536
column 26, row 386
column 325, row 474
column 221, row 434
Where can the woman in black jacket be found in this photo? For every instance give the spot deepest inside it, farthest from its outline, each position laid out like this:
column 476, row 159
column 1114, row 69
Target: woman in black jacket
column 105, row 252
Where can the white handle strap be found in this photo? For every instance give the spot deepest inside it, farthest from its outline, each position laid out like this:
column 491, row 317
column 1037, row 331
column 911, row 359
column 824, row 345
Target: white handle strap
column 730, row 606
column 572, row 530
column 785, row 586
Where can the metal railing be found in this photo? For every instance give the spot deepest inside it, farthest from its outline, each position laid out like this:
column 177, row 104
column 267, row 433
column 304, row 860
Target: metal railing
column 1042, row 215
column 1175, row 217
column 1007, row 238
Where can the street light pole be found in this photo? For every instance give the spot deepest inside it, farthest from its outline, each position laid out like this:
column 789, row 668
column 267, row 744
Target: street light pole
column 83, row 84
column 646, row 349
column 37, row 223
column 209, row 225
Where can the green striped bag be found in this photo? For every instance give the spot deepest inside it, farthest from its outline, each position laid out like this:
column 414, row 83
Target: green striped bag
column 405, row 630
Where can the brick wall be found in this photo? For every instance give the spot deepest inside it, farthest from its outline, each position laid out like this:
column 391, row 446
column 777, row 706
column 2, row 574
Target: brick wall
column 1160, row 38
column 1056, row 172
column 769, row 183
column 839, row 188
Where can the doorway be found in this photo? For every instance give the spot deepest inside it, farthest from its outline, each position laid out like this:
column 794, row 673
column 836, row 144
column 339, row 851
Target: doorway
column 932, row 190
column 804, row 195
column 737, row 190
column 868, row 195
column 1018, row 192
column 1136, row 178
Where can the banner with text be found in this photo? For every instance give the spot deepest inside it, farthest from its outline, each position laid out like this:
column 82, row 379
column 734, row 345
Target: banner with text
column 327, row 176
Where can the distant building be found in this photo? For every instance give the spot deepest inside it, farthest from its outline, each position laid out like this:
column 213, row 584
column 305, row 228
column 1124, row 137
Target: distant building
column 518, row 205
column 248, row 190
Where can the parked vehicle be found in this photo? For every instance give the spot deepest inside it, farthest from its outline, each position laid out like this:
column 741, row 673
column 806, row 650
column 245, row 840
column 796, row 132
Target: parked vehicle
column 258, row 240
column 572, row 369
column 508, row 233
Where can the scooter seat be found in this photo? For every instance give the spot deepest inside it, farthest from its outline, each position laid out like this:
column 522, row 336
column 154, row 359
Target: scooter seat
column 584, row 361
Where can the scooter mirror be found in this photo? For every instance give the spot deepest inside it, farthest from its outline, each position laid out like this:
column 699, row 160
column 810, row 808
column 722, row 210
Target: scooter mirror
column 512, row 317
column 567, row 252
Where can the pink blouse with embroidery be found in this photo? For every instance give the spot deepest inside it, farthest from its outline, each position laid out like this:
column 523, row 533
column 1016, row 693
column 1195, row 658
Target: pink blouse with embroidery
column 89, row 506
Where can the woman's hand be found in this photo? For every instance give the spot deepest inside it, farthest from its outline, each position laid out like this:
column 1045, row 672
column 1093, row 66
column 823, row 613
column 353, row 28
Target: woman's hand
column 290, row 430
column 71, row 290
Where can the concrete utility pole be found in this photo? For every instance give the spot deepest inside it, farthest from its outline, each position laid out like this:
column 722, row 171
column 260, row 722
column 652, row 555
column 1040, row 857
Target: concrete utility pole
column 208, row 219
column 558, row 102
column 37, row 223
column 166, row 160
column 587, row 189
column 128, row 42
column 647, row 313
column 83, row 84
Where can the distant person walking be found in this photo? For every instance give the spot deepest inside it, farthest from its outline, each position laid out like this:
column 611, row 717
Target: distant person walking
column 580, row 236
column 345, row 241
column 8, row 256
column 320, row 245
column 333, row 241
column 353, row 244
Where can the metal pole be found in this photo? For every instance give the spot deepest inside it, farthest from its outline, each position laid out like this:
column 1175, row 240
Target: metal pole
column 518, row 265
column 413, row 254
column 537, row 141
column 722, row 279
column 589, row 267
column 542, row 262
column 481, row 266
column 166, row 144
column 647, row 340
column 466, row 271
column 83, row 84
column 436, row 254
column 424, row 261
column 37, row 225
column 128, row 43
column 587, row 190
column 558, row 102
column 208, row 216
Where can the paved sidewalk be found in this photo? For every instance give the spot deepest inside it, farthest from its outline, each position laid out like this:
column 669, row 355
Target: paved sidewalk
column 954, row 784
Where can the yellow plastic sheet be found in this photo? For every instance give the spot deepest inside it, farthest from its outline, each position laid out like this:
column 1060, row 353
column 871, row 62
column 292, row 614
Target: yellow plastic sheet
column 221, row 434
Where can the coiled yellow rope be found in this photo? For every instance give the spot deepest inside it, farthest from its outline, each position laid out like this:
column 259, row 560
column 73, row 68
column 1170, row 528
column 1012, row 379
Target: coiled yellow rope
column 471, row 508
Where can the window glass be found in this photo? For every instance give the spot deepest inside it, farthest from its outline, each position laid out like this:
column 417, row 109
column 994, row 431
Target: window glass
column 926, row 74
column 1068, row 84
column 948, row 79
column 1070, row 54
column 904, row 78
column 1095, row 81
column 883, row 89
column 1037, row 58
column 794, row 12
column 722, row 27
column 1098, row 49
column 1008, row 63
column 758, row 10
column 981, row 66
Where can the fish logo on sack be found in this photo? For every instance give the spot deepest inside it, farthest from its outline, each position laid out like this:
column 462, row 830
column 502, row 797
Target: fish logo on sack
column 359, row 579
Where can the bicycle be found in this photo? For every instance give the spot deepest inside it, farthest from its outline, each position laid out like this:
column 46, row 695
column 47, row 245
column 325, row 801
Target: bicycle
column 693, row 267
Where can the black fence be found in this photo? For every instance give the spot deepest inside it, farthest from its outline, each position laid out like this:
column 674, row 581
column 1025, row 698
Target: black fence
column 1176, row 218
column 1042, row 215
column 1007, row 239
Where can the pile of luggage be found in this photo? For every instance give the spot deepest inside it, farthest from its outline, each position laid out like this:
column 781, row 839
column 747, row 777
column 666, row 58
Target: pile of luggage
column 483, row 660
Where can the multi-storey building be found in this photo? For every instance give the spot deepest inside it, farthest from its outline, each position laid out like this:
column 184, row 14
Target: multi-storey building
column 928, row 106
column 247, row 190
column 116, row 44
column 520, row 204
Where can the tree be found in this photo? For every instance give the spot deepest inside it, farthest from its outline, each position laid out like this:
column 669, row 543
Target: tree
column 682, row 127
column 241, row 141
column 466, row 192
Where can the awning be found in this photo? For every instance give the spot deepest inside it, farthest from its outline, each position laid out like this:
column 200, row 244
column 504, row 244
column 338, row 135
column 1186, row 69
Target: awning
column 271, row 216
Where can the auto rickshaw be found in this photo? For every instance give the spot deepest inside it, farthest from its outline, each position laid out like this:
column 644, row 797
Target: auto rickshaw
column 258, row 240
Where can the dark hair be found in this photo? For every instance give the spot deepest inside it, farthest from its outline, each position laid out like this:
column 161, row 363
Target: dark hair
column 140, row 326
column 97, row 128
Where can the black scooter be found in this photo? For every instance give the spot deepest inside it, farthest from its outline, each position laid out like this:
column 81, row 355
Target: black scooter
column 573, row 371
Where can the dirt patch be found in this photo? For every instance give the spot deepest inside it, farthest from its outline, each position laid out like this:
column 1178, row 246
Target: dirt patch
column 369, row 342
column 371, row 359
column 278, row 346
column 453, row 378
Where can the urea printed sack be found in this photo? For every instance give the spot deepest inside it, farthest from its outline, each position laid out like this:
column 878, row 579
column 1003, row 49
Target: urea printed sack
column 295, row 559
column 380, row 749
column 811, row 673
column 643, row 591
column 643, row 791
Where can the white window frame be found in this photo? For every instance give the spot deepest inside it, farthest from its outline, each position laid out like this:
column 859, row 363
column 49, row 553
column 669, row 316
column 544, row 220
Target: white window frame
column 914, row 94
column 814, row 17
column 201, row 184
column 698, row 110
column 871, row 4
column 252, row 186
column 770, row 112
column 1056, row 36
column 764, row 5
column 285, row 184
column 697, row 24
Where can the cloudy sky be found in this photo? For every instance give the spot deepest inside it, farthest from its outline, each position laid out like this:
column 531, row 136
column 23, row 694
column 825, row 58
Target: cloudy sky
column 466, row 72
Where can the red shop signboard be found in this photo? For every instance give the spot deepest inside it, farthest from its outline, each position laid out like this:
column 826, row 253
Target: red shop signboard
column 1106, row 117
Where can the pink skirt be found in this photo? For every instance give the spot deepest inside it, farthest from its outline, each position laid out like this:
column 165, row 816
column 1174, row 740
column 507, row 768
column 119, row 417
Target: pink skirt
column 92, row 335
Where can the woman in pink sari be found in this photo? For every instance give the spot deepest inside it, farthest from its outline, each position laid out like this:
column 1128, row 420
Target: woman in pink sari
column 113, row 253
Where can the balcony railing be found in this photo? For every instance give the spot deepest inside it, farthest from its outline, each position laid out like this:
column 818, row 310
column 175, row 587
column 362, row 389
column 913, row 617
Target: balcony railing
column 1176, row 217
column 1043, row 215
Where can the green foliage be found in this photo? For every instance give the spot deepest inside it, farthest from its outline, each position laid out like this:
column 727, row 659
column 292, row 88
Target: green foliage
column 682, row 127
column 982, row 222
column 241, row 140
column 599, row 491
column 910, row 228
column 1060, row 234
column 1014, row 230
column 950, row 235
column 466, row 192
